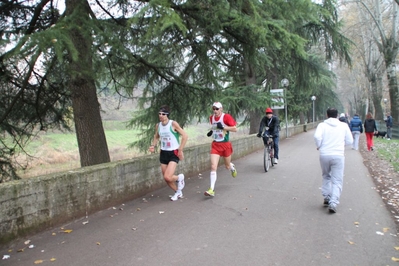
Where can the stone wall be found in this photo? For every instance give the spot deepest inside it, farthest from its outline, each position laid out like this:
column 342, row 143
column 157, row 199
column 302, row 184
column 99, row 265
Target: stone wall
column 30, row 205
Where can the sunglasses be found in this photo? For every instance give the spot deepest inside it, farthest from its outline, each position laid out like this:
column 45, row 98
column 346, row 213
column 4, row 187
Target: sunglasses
column 162, row 113
column 214, row 108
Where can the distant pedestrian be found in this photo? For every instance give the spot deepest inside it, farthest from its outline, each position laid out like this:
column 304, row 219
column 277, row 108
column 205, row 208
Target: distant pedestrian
column 356, row 128
column 343, row 118
column 330, row 137
column 168, row 132
column 222, row 125
column 389, row 124
column 369, row 128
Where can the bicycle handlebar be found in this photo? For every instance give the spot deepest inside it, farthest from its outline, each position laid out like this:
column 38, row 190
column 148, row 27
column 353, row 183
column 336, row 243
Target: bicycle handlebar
column 267, row 135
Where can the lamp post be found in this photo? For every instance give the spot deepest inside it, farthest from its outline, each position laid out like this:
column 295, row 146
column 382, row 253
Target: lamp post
column 313, row 98
column 285, row 83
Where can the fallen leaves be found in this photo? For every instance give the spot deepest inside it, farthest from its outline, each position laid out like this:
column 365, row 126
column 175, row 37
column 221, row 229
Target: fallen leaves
column 41, row 261
column 395, row 259
column 384, row 175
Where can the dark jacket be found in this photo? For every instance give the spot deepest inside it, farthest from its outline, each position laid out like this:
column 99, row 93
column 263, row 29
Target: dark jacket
column 343, row 119
column 369, row 125
column 388, row 121
column 273, row 123
column 356, row 124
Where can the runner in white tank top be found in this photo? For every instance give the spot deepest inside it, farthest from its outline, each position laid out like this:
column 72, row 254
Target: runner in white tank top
column 168, row 132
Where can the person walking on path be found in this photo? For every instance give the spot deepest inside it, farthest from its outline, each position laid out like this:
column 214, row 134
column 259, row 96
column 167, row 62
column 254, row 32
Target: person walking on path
column 330, row 137
column 356, row 127
column 369, row 128
column 343, row 118
column 222, row 125
column 270, row 123
column 388, row 123
column 168, row 132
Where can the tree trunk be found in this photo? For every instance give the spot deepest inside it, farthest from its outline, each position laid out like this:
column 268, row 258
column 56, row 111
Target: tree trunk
column 90, row 134
column 376, row 96
column 393, row 93
column 254, row 116
column 302, row 118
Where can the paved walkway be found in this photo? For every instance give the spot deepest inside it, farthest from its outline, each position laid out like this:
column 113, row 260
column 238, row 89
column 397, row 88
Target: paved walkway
column 258, row 218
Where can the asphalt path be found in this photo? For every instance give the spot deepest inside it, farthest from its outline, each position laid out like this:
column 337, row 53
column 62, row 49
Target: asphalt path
column 257, row 218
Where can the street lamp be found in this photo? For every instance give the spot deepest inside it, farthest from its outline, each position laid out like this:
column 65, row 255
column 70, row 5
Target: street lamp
column 285, row 83
column 313, row 98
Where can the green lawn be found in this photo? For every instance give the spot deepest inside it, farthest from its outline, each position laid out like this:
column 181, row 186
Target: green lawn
column 388, row 150
column 51, row 152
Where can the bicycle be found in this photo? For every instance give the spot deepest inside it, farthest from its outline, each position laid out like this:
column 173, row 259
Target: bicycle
column 268, row 152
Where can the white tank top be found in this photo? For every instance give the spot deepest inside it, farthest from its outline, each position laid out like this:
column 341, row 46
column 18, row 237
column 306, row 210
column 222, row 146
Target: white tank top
column 169, row 138
column 219, row 135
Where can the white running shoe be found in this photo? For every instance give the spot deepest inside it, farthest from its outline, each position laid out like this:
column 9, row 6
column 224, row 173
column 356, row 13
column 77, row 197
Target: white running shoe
column 180, row 182
column 275, row 161
column 176, row 196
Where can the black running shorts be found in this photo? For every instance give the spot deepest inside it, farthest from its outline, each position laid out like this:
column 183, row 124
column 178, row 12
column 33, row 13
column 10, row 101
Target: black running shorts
column 168, row 156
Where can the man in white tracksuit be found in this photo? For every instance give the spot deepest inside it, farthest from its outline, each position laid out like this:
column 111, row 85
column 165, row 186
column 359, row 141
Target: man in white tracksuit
column 330, row 137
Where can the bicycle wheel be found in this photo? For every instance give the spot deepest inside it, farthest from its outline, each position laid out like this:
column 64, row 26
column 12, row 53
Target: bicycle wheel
column 271, row 149
column 271, row 155
column 266, row 158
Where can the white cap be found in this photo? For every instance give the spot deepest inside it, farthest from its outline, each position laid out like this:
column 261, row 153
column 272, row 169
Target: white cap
column 217, row 105
column 342, row 115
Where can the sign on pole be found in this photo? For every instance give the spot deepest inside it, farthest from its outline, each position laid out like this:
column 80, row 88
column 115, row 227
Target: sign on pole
column 277, row 98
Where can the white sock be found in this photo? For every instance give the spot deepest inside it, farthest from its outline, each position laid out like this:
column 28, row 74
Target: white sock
column 232, row 167
column 213, row 180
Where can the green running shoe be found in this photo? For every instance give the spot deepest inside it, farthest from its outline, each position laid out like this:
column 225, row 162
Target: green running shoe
column 234, row 171
column 209, row 192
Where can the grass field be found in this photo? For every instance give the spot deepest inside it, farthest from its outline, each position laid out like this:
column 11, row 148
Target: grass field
column 388, row 150
column 56, row 152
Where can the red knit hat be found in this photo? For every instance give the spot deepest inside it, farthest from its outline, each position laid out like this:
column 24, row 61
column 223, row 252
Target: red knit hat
column 269, row 110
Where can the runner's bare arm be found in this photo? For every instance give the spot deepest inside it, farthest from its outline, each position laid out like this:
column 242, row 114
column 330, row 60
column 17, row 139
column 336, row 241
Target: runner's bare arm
column 184, row 138
column 155, row 140
column 230, row 128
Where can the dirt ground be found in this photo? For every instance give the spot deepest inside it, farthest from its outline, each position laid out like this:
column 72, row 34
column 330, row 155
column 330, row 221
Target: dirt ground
column 385, row 178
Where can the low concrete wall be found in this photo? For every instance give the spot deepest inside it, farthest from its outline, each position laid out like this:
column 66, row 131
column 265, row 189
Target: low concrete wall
column 30, row 205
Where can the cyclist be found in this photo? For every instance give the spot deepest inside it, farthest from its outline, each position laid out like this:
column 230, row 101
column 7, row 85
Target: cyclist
column 271, row 124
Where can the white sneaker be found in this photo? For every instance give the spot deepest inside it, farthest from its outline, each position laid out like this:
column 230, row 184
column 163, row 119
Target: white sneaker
column 275, row 161
column 176, row 196
column 180, row 182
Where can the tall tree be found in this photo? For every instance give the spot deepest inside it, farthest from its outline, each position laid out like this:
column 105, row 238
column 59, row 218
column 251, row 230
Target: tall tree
column 90, row 134
column 45, row 68
column 183, row 53
column 382, row 17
